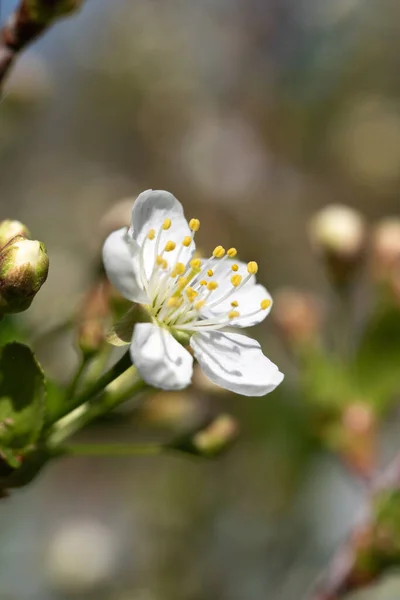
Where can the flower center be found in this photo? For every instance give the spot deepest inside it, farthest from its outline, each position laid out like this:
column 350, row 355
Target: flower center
column 181, row 293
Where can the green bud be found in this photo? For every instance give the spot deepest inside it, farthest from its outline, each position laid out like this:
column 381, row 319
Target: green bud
column 212, row 439
column 9, row 229
column 24, row 265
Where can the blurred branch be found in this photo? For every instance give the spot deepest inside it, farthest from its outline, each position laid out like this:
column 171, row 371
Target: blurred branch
column 29, row 20
column 368, row 548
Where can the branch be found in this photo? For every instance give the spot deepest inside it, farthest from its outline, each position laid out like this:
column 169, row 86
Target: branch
column 368, row 549
column 29, row 20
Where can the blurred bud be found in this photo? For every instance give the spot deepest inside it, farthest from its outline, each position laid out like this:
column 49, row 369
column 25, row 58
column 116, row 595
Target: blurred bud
column 337, row 233
column 216, row 437
column 94, row 318
column 386, row 249
column 357, row 438
column 24, row 266
column 9, row 229
column 174, row 410
column 298, row 315
column 81, row 557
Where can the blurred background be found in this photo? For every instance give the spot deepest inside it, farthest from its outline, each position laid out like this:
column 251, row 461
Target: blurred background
column 255, row 114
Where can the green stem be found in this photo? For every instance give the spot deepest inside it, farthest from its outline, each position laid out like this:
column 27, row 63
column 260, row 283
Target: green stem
column 91, row 411
column 95, row 388
column 73, row 386
column 114, row 449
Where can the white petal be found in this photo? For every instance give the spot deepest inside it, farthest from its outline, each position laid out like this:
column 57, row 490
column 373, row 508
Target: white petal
column 249, row 299
column 160, row 360
column 153, row 206
column 235, row 362
column 118, row 258
column 150, row 210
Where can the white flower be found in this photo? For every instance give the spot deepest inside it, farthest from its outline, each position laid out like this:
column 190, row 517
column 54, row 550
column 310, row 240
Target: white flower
column 188, row 299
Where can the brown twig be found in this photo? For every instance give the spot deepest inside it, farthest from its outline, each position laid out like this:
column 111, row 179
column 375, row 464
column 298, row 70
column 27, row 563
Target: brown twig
column 29, row 20
column 342, row 574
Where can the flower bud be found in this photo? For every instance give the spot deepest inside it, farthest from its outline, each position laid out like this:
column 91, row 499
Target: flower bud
column 94, row 318
column 24, row 265
column 9, row 229
column 385, row 249
column 215, row 437
column 337, row 233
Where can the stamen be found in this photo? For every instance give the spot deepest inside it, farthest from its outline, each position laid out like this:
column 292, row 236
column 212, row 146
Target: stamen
column 170, row 246
column 159, row 260
column 236, row 280
column 174, row 302
column 210, row 272
column 264, row 304
column 195, row 263
column 233, row 314
column 194, row 224
column 252, row 267
column 203, row 282
column 180, row 268
column 212, row 285
column 151, row 235
column 232, row 252
column 234, row 303
column 235, row 267
column 219, row 252
column 167, row 224
column 191, row 293
column 187, row 240
column 199, row 305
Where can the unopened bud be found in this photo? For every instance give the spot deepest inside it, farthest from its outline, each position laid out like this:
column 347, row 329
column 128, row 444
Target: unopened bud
column 94, row 318
column 386, row 249
column 298, row 315
column 215, row 437
column 338, row 234
column 24, row 265
column 9, row 229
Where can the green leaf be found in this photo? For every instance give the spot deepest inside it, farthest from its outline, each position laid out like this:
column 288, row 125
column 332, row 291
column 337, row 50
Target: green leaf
column 22, row 397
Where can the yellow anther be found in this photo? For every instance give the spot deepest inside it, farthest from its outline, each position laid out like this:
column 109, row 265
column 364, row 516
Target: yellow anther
column 219, row 252
column 159, row 260
column 233, row 314
column 199, row 305
column 164, row 264
column 179, row 268
column 167, row 224
column 186, row 241
column 169, row 246
column 195, row 263
column 252, row 267
column 210, row 272
column 265, row 304
column 232, row 252
column 182, row 281
column 235, row 267
column 151, row 235
column 212, row 285
column 191, row 293
column 203, row 282
column 236, row 280
column 174, row 302
column 235, row 304
column 194, row 224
